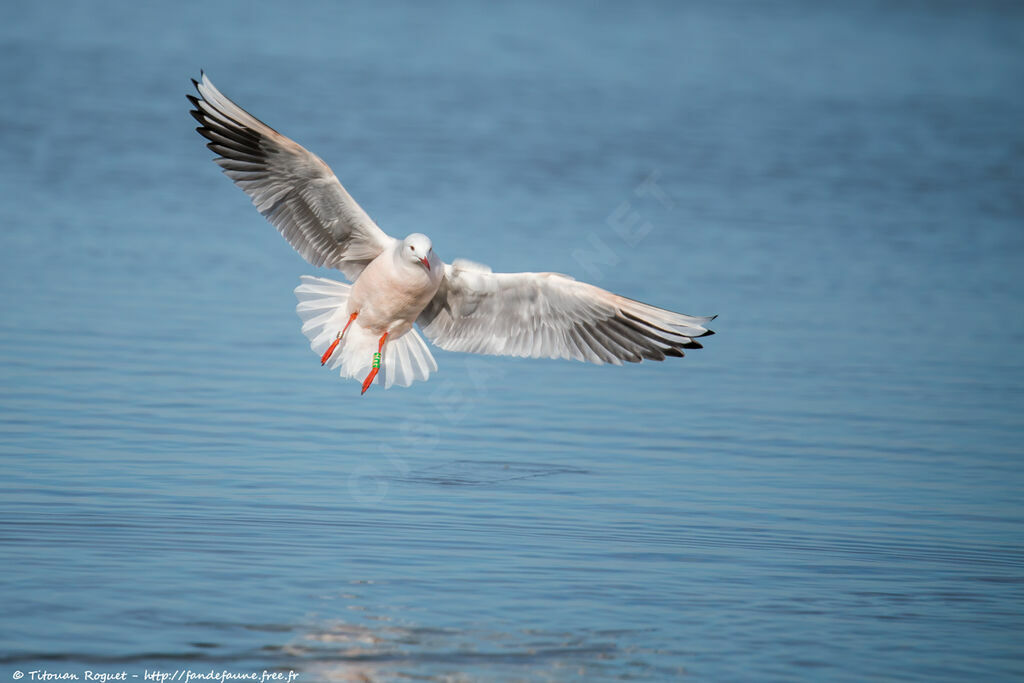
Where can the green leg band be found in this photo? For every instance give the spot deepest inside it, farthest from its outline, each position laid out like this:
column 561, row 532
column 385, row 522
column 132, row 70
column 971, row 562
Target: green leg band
column 376, row 360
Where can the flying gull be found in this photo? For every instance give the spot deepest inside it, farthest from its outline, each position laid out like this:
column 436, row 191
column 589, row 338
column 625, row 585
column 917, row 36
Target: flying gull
column 365, row 330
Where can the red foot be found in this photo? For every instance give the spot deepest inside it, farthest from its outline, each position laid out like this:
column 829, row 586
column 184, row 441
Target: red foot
column 373, row 373
column 330, row 350
column 369, row 380
column 337, row 340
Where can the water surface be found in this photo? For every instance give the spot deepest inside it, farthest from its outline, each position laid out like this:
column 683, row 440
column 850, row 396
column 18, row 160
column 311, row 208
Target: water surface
column 830, row 490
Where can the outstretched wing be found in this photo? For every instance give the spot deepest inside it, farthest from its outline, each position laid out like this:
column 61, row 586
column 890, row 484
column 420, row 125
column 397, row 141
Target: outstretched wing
column 547, row 315
column 292, row 187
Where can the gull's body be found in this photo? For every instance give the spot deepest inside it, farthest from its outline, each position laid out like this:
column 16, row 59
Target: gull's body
column 392, row 291
column 462, row 306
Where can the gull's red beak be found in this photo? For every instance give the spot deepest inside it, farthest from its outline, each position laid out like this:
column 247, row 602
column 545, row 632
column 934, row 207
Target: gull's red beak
column 425, row 262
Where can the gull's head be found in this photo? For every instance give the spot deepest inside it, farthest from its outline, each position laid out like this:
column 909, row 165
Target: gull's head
column 417, row 248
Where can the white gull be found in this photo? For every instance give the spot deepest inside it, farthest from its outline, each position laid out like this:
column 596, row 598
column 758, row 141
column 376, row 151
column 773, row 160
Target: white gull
column 366, row 329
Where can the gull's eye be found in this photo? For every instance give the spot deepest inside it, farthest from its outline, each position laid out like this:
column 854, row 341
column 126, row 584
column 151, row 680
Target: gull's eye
column 411, row 248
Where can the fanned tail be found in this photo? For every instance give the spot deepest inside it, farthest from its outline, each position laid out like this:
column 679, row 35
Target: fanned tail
column 323, row 310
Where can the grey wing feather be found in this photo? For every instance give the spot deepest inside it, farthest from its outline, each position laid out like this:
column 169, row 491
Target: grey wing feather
column 547, row 315
column 292, row 187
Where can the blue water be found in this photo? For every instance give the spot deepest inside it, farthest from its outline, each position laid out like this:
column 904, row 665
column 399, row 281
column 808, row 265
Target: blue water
column 831, row 489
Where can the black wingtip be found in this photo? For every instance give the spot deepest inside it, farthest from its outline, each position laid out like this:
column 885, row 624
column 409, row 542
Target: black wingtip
column 707, row 333
column 693, row 345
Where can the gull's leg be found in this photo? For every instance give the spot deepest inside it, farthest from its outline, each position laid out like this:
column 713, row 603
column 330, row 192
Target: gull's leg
column 337, row 340
column 376, row 364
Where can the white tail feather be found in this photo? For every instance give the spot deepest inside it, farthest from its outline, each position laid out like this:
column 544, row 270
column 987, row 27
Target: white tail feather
column 322, row 309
